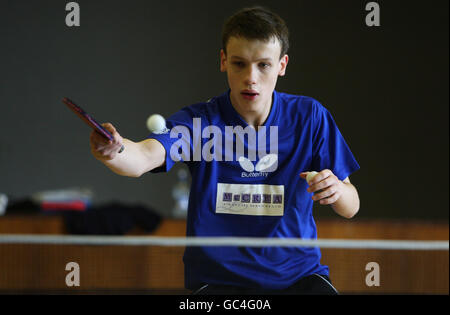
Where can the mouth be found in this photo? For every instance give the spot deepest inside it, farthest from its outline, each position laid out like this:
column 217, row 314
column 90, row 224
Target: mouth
column 249, row 94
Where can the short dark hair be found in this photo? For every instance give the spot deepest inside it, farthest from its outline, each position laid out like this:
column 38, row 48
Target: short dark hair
column 256, row 23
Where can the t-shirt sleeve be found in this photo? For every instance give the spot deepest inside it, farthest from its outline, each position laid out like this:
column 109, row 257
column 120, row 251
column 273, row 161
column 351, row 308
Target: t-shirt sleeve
column 330, row 151
column 176, row 139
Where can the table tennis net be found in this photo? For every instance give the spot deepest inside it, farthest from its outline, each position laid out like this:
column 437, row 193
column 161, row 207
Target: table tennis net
column 154, row 265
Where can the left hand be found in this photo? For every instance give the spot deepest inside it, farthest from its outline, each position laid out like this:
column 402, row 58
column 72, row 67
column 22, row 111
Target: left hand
column 331, row 188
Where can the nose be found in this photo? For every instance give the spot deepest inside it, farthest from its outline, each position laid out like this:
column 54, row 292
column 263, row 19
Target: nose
column 251, row 75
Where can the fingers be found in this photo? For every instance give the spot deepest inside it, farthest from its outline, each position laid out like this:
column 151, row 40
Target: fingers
column 320, row 177
column 104, row 149
column 110, row 128
column 96, row 139
column 326, row 186
column 328, row 196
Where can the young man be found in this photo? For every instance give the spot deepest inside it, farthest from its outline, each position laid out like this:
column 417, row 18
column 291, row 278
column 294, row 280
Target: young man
column 247, row 192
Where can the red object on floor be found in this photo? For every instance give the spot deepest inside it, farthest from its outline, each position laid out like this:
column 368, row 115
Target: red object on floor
column 75, row 205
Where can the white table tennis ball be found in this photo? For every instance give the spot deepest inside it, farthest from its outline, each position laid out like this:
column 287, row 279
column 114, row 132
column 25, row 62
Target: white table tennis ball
column 311, row 175
column 156, row 123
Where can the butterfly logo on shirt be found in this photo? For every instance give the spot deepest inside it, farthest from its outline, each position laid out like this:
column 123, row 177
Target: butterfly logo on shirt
column 267, row 164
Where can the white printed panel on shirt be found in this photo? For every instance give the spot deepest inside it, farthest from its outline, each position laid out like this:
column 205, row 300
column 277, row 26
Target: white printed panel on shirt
column 259, row 200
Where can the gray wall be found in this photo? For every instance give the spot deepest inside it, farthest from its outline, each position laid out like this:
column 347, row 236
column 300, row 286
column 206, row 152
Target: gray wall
column 387, row 88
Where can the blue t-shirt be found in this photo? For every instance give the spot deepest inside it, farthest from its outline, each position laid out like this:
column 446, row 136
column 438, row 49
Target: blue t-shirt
column 246, row 183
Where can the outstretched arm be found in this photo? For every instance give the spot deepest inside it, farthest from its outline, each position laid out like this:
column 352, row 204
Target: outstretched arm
column 136, row 159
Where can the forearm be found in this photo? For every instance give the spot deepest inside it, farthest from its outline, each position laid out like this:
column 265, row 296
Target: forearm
column 136, row 159
column 348, row 204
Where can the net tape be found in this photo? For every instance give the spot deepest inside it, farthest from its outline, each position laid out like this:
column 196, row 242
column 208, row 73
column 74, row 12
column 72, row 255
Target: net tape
column 223, row 241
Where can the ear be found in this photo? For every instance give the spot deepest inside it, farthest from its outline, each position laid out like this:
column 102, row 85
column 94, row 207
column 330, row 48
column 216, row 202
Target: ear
column 283, row 65
column 223, row 61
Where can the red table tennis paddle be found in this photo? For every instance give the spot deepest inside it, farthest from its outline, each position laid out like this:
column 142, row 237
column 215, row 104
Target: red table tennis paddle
column 87, row 119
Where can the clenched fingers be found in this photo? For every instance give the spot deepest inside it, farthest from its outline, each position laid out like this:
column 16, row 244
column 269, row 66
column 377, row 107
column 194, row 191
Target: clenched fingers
column 105, row 149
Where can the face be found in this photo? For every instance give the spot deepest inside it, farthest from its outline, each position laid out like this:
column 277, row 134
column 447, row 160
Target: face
column 252, row 67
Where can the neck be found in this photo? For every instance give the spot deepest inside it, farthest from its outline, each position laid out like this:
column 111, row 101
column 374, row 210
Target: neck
column 253, row 116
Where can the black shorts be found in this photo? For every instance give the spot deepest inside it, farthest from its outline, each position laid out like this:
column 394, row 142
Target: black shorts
column 314, row 284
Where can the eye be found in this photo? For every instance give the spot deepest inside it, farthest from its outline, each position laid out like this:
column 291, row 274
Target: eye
column 239, row 64
column 264, row 65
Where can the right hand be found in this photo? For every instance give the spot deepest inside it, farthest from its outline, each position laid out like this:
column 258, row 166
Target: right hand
column 103, row 149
